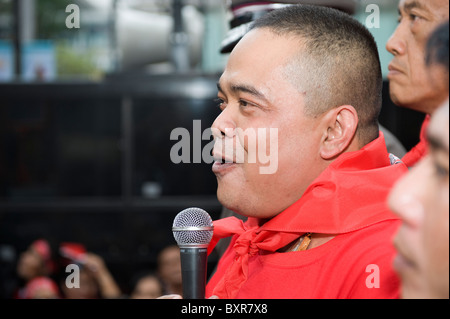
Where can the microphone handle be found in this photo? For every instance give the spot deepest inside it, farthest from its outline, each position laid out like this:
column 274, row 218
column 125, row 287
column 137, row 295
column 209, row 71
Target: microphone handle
column 193, row 272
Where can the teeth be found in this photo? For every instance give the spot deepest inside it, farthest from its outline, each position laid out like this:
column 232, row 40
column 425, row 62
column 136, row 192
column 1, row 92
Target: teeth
column 223, row 161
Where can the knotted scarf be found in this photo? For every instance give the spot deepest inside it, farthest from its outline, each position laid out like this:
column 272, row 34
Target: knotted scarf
column 250, row 241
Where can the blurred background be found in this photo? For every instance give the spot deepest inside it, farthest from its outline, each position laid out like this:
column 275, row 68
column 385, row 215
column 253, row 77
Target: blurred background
column 87, row 105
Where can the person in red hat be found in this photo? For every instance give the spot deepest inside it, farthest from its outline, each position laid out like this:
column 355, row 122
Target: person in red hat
column 36, row 261
column 95, row 279
column 42, row 288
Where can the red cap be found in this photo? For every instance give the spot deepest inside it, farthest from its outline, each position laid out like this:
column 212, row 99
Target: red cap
column 73, row 251
column 41, row 287
column 42, row 247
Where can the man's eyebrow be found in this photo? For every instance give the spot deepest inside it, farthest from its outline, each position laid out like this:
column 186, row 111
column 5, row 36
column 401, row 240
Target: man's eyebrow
column 236, row 88
column 219, row 88
column 436, row 143
column 408, row 7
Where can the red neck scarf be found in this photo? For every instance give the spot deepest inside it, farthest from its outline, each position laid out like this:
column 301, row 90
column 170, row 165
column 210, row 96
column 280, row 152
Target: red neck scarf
column 349, row 195
column 421, row 149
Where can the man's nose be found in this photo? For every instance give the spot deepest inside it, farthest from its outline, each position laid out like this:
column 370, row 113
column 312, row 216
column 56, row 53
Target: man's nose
column 225, row 124
column 396, row 44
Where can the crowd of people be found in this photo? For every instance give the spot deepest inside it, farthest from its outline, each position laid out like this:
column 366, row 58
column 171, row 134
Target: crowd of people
column 70, row 271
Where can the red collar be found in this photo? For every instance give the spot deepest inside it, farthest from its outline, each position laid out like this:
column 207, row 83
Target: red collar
column 350, row 194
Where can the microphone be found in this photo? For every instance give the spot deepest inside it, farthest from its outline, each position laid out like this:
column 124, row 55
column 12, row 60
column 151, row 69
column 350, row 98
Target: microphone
column 193, row 230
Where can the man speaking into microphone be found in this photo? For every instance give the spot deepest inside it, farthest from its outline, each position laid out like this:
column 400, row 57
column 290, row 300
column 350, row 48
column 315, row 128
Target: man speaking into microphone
column 304, row 82
column 318, row 226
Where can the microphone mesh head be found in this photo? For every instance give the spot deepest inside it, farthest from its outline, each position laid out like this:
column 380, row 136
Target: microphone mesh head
column 185, row 224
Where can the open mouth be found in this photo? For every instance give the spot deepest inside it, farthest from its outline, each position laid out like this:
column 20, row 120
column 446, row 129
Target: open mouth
column 222, row 159
column 221, row 163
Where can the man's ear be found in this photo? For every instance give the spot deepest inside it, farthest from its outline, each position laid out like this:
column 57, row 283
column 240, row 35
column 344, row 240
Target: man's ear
column 341, row 126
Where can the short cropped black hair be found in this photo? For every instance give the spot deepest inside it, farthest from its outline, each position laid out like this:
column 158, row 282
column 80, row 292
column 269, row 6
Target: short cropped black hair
column 438, row 46
column 341, row 60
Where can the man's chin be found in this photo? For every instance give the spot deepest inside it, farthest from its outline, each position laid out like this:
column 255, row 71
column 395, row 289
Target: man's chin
column 407, row 100
column 396, row 94
column 225, row 199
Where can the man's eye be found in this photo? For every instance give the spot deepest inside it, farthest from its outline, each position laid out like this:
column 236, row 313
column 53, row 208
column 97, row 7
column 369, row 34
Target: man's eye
column 219, row 102
column 243, row 103
column 441, row 171
column 414, row 17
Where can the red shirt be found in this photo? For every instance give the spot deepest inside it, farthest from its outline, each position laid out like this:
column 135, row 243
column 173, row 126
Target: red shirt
column 420, row 150
column 355, row 265
column 349, row 199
